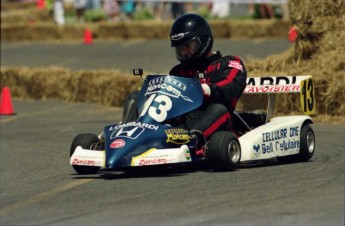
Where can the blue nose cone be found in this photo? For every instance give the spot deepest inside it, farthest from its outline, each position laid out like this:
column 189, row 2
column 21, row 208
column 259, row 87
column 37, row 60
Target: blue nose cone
column 117, row 157
column 127, row 141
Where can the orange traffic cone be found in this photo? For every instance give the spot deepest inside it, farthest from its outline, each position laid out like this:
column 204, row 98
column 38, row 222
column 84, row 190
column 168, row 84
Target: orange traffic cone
column 6, row 107
column 293, row 34
column 41, row 4
column 87, row 37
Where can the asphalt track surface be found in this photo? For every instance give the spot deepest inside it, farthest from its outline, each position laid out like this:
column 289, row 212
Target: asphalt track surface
column 152, row 56
column 38, row 187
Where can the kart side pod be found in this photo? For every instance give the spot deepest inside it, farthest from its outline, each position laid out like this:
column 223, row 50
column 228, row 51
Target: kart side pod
column 282, row 136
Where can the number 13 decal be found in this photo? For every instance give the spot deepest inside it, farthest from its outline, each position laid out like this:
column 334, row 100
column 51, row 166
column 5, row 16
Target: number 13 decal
column 160, row 112
column 308, row 96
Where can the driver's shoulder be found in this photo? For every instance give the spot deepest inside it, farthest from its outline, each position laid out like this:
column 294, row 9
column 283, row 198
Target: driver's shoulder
column 175, row 70
column 231, row 57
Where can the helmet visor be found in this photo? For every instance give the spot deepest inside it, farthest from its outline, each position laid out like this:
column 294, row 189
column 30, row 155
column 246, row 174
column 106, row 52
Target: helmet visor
column 187, row 49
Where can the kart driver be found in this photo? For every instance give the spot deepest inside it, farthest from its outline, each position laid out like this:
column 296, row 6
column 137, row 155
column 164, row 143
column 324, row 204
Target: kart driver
column 224, row 76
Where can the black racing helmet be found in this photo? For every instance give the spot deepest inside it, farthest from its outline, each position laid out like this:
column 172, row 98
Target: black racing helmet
column 191, row 31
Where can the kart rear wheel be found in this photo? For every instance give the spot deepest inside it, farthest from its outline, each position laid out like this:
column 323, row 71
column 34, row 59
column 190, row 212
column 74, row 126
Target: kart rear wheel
column 223, row 151
column 307, row 147
column 86, row 141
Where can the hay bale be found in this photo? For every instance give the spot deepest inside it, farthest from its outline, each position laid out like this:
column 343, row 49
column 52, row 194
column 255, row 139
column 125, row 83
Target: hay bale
column 24, row 31
column 313, row 19
column 115, row 30
column 220, row 28
column 257, row 28
column 148, row 29
column 143, row 29
column 38, row 83
column 16, row 12
column 309, row 10
column 106, row 87
column 11, row 32
column 22, row 15
column 8, row 6
column 323, row 58
column 44, row 32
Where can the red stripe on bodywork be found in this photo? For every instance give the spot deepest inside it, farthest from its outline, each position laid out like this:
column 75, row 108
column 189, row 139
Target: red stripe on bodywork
column 216, row 125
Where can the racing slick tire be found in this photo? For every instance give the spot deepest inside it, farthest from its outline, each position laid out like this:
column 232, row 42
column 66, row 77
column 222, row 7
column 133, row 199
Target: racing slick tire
column 86, row 141
column 307, row 147
column 223, row 151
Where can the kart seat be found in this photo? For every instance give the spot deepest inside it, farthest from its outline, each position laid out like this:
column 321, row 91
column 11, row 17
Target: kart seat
column 245, row 121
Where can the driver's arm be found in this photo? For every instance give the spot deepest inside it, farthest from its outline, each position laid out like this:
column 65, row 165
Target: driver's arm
column 232, row 82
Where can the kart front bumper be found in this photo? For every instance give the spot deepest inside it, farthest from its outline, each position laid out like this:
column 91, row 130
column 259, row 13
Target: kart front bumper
column 86, row 157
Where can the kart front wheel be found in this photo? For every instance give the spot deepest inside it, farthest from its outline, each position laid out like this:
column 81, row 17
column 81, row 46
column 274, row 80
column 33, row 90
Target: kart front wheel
column 86, row 141
column 223, row 151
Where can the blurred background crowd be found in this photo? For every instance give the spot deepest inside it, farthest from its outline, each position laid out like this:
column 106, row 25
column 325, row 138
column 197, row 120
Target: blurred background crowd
column 79, row 11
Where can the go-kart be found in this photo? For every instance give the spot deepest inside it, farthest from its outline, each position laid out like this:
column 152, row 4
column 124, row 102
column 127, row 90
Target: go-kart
column 151, row 141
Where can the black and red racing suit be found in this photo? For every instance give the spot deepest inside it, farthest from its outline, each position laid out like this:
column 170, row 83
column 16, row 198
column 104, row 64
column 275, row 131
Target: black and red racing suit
column 226, row 76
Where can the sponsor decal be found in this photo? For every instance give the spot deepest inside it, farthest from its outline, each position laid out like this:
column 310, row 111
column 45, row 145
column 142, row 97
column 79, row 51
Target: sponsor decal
column 152, row 161
column 178, row 36
column 307, row 96
column 212, row 68
column 188, row 154
column 287, row 145
column 285, row 139
column 130, row 132
column 273, row 88
column 274, row 135
column 77, row 161
column 205, row 48
column 236, row 64
column 284, row 145
column 177, row 136
column 279, row 80
column 272, row 84
column 168, row 86
column 267, row 148
column 134, row 124
column 118, row 143
column 264, row 148
column 256, row 150
column 294, row 131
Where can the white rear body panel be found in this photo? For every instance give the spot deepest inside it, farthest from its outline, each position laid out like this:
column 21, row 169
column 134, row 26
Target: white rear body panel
column 279, row 137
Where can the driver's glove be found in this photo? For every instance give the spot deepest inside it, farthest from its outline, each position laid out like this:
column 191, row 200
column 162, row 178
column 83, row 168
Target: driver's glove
column 206, row 90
